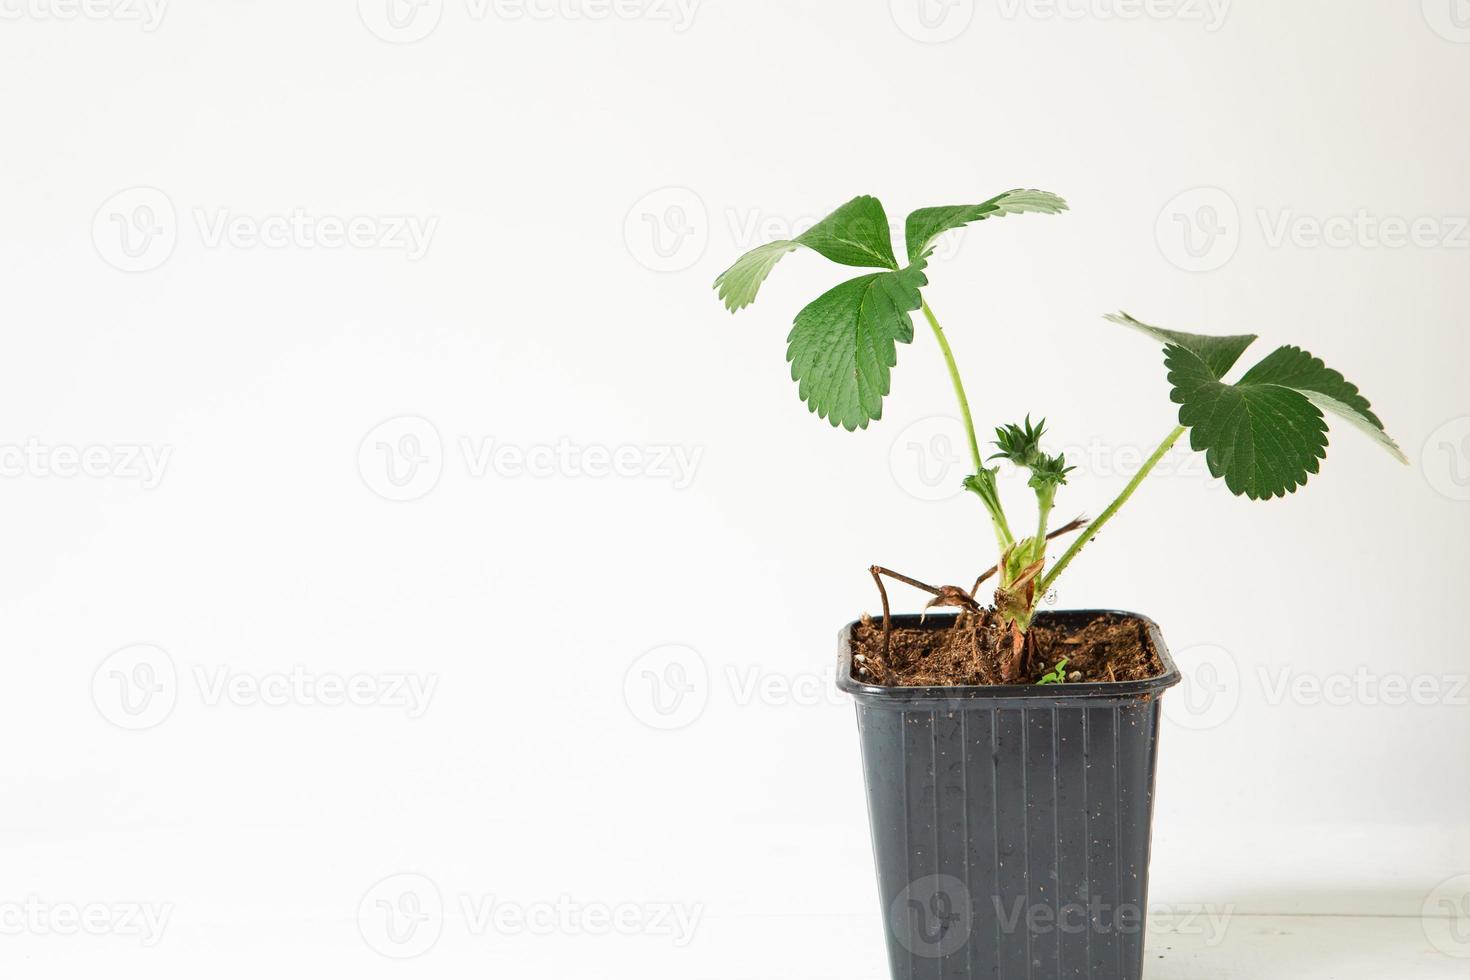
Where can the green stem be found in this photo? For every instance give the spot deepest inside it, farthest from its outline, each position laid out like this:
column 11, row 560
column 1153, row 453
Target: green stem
column 959, row 386
column 1043, row 509
column 997, row 516
column 1091, row 530
column 1003, row 536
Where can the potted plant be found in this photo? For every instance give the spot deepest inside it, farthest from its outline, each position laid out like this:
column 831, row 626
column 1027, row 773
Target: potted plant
column 1009, row 753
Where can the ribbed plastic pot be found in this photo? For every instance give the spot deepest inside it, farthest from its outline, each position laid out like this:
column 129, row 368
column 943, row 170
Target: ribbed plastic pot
column 1011, row 824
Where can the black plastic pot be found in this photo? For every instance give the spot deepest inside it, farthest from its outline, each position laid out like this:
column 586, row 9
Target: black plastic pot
column 1011, row 824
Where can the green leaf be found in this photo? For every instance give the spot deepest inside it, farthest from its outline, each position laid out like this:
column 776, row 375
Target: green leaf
column 1325, row 388
column 1265, row 434
column 927, row 224
column 855, row 234
column 1218, row 353
column 1264, row 439
column 843, row 344
column 739, row 284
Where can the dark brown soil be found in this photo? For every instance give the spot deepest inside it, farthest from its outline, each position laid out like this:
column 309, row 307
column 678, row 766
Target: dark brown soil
column 967, row 649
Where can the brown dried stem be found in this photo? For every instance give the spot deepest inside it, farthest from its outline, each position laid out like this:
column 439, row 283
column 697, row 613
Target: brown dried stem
column 944, row 595
column 887, row 620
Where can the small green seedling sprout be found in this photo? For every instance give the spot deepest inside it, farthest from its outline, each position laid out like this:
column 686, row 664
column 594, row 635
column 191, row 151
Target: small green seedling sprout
column 1058, row 675
column 1264, row 433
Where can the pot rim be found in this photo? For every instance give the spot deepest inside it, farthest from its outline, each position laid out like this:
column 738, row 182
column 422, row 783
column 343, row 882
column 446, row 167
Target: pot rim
column 1098, row 693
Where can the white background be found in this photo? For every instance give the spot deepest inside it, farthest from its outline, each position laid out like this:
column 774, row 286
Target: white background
column 578, row 177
